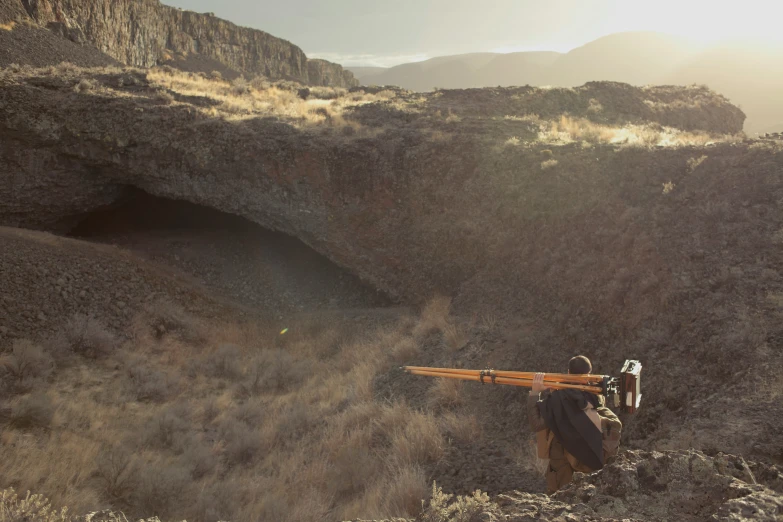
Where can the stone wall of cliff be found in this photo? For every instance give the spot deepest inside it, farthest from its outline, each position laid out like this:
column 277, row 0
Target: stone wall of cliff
column 145, row 33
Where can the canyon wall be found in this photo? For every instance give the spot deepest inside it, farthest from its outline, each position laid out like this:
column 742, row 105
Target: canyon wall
column 144, row 33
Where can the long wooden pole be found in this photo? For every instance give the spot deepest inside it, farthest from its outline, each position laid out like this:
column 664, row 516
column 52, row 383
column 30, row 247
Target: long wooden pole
column 550, row 377
column 525, row 383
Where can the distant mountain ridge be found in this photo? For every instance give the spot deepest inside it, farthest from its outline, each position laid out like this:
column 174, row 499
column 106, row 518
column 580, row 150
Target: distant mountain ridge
column 750, row 78
column 144, row 33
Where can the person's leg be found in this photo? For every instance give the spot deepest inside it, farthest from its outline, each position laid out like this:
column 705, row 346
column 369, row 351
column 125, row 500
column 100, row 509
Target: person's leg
column 560, row 471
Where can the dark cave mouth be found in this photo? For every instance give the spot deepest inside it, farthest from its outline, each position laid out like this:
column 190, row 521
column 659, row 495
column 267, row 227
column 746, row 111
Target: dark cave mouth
column 229, row 252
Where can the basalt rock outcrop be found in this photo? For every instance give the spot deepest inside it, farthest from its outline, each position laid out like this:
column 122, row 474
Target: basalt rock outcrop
column 686, row 486
column 144, row 33
column 665, row 253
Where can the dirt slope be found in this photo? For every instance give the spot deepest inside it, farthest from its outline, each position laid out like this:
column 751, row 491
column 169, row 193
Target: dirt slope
column 28, row 44
column 47, row 279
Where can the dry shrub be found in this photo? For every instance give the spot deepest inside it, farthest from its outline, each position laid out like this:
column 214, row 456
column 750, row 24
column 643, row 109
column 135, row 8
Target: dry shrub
column 488, row 322
column 240, row 86
column 209, row 412
column 225, row 362
column 293, row 422
column 164, row 97
column 161, row 490
column 693, row 163
column 26, row 364
column 594, row 106
column 307, row 506
column 362, row 380
column 418, row 440
column 86, row 336
column 455, row 337
column 67, row 68
column 85, row 85
column 58, row 462
column 446, row 393
column 249, row 413
column 404, row 491
column 166, row 317
column 577, row 129
column 548, row 164
column 260, row 83
column 406, row 349
column 469, row 508
column 462, row 428
column 434, row 316
column 216, row 76
column 649, row 137
column 31, row 508
column 352, row 468
column 327, row 93
column 148, row 385
column 242, row 444
column 168, row 428
column 116, row 471
column 200, row 460
column 218, row 501
column 32, row 411
column 275, row 370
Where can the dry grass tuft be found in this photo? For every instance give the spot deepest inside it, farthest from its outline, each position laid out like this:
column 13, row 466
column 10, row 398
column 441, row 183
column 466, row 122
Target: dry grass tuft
column 404, row 492
column 461, row 427
column 488, row 322
column 405, row 350
column 693, row 163
column 26, row 364
column 548, row 164
column 8, row 26
column 86, row 336
column 167, row 318
column 455, row 337
column 85, row 85
column 418, row 441
column 434, row 316
column 32, row 411
column 446, row 393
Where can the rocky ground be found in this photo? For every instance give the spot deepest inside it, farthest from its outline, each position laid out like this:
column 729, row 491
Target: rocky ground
column 638, row 486
column 47, row 279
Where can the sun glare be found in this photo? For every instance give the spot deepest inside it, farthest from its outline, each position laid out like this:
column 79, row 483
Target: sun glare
column 709, row 23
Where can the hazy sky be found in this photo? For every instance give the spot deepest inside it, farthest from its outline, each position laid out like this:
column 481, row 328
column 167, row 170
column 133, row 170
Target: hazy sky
column 388, row 32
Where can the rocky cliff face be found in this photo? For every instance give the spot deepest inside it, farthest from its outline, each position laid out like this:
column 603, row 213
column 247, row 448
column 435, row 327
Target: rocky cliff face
column 144, row 33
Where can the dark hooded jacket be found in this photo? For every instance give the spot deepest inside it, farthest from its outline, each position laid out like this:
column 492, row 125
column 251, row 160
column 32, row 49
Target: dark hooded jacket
column 564, row 414
column 579, row 421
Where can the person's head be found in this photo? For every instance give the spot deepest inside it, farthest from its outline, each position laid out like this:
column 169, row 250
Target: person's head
column 579, row 365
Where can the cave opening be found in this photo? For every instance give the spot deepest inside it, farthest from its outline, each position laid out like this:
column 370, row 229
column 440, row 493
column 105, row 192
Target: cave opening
column 237, row 257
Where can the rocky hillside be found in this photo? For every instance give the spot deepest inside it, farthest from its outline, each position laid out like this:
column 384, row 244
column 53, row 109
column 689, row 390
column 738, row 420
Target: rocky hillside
column 592, row 232
column 146, row 33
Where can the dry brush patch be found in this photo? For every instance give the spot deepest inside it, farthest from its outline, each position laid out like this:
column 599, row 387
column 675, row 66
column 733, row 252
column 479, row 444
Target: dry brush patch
column 238, row 420
column 303, row 106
